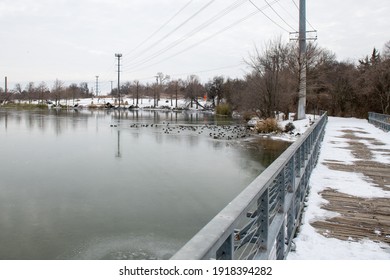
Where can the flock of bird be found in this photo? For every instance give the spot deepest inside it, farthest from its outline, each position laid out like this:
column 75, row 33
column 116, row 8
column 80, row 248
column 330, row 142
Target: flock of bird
column 222, row 132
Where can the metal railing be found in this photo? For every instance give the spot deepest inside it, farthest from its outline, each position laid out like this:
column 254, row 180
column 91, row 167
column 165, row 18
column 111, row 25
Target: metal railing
column 379, row 120
column 260, row 223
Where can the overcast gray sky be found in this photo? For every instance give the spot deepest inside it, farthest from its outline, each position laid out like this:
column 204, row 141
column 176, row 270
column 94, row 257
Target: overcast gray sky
column 75, row 40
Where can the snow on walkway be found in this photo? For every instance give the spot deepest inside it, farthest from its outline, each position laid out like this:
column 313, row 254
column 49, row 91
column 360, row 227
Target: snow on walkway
column 353, row 174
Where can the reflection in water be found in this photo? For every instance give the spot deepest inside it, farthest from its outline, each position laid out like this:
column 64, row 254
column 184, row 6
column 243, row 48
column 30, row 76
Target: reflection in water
column 65, row 195
column 118, row 153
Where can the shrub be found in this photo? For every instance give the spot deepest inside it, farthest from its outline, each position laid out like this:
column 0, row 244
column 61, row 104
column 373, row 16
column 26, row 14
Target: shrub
column 223, row 109
column 267, row 126
column 289, row 127
column 247, row 116
column 92, row 106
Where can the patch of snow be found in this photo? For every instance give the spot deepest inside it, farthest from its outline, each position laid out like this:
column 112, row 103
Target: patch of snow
column 310, row 245
column 346, row 182
column 253, row 121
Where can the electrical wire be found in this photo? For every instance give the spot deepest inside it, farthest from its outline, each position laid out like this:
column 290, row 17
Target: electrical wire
column 287, row 12
column 146, row 40
column 140, row 64
column 136, row 68
column 194, row 31
column 176, row 28
column 161, row 27
column 268, row 16
column 279, row 15
column 305, row 18
column 199, row 42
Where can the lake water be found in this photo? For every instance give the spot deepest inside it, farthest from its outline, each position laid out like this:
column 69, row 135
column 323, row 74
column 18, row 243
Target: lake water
column 109, row 185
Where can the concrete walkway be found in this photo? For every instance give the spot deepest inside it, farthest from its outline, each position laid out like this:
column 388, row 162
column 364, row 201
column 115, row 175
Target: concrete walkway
column 348, row 213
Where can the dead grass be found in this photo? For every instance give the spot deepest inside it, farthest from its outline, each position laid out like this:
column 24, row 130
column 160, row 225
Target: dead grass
column 267, row 126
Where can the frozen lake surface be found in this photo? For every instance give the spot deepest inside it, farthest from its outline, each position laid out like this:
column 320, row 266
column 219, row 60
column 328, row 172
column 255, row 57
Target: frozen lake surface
column 104, row 185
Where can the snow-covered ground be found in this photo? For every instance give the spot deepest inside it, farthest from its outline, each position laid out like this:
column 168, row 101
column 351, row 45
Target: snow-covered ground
column 129, row 101
column 311, row 245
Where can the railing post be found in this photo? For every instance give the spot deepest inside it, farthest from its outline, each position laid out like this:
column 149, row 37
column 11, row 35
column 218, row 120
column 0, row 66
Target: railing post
column 263, row 221
column 280, row 242
column 225, row 252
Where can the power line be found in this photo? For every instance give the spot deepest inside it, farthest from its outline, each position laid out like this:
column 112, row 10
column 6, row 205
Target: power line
column 207, row 23
column 133, row 69
column 199, row 42
column 140, row 64
column 279, row 15
column 268, row 16
column 287, row 12
column 161, row 27
column 295, row 4
column 177, row 28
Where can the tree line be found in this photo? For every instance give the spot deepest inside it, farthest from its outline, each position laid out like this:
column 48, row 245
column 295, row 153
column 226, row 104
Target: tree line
column 343, row 88
column 42, row 93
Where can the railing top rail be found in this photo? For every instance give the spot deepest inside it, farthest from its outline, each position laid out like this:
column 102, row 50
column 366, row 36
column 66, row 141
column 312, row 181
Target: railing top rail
column 211, row 236
column 379, row 114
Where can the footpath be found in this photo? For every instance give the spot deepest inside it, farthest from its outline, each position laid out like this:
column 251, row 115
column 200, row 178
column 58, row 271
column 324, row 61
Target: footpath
column 348, row 208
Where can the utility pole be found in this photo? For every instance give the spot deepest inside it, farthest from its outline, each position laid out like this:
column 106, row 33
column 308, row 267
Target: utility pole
column 97, row 85
column 6, row 86
column 176, row 88
column 302, row 37
column 155, row 92
column 137, row 84
column 111, row 85
column 119, row 55
column 302, row 60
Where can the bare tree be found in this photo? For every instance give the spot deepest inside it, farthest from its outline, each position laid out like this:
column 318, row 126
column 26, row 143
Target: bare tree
column 174, row 88
column 57, row 91
column 215, row 89
column 386, row 51
column 161, row 81
column 194, row 89
column 30, row 91
column 42, row 91
column 74, row 91
column 271, row 69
